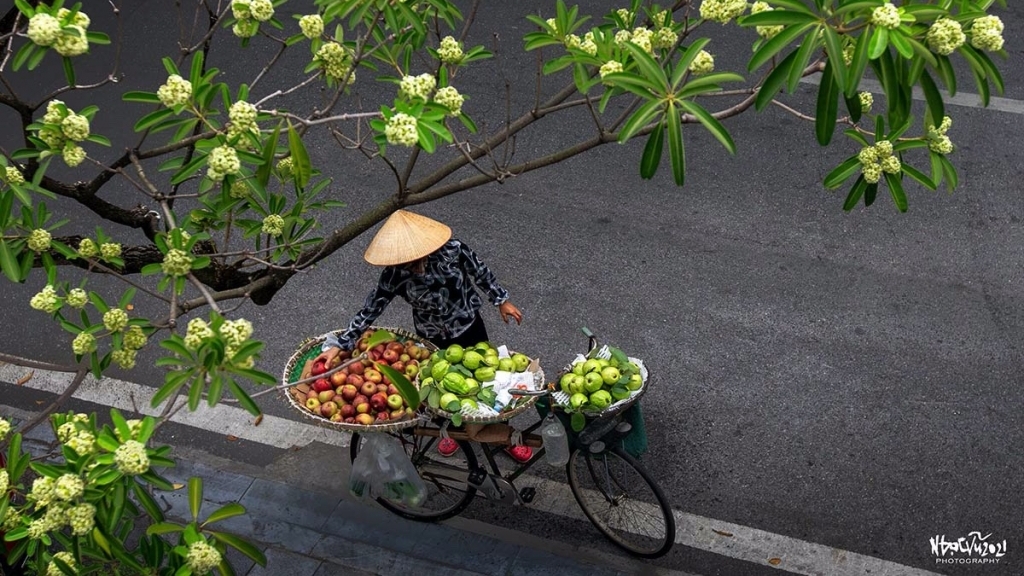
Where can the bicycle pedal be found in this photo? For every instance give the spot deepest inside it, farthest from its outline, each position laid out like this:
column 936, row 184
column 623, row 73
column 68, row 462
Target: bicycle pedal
column 527, row 494
column 477, row 477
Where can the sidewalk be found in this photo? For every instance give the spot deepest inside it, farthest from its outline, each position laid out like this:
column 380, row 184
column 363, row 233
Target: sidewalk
column 299, row 513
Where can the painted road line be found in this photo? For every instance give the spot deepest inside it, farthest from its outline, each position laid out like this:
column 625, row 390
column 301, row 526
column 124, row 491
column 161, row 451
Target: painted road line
column 965, row 99
column 715, row 536
column 222, row 419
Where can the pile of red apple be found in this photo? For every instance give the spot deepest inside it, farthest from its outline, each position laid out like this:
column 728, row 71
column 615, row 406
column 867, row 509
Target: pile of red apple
column 359, row 393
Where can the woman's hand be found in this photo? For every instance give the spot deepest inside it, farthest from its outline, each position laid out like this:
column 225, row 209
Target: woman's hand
column 509, row 310
column 328, row 356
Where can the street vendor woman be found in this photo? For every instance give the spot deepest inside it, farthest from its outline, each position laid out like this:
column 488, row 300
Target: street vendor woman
column 435, row 274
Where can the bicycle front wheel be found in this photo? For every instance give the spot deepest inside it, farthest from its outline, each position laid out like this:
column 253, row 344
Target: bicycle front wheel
column 621, row 500
column 446, row 477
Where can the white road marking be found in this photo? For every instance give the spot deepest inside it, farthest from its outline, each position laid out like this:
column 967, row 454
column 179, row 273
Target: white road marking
column 715, row 536
column 223, row 419
column 961, row 99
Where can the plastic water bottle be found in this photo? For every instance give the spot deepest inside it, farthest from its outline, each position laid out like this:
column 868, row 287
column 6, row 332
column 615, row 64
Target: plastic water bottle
column 556, row 443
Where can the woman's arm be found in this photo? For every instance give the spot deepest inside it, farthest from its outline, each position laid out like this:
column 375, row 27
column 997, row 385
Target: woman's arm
column 376, row 302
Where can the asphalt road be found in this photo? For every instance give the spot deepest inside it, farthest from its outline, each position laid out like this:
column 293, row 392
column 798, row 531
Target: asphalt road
column 847, row 379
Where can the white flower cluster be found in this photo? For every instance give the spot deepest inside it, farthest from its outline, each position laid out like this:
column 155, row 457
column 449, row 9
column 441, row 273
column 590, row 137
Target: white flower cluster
column 39, row 240
column 284, row 168
column 336, row 61
column 43, row 491
column 866, row 101
column 87, row 248
column 83, row 344
column 401, row 129
column 198, row 331
column 222, row 161
column 273, row 225
column 886, row 16
column 175, row 92
column 81, row 518
column 61, row 129
column 124, row 358
column 450, row 98
column 134, row 427
column 625, row 15
column 242, row 116
column 644, row 38
column 5, row 429
column 202, row 557
column 43, row 29
column 553, row 24
column 5, row 481
column 76, row 435
column 664, row 38
column 722, row 10
column 68, row 487
column 766, row 32
column 938, row 141
column 65, row 33
column 236, row 333
column 450, row 50
column 417, row 87
column 588, row 45
column 312, row 26
column 131, row 458
column 622, row 36
column 610, row 67
column 115, row 319
column 77, row 298
column 877, row 159
column 110, row 250
column 54, row 570
column 987, row 33
column 176, row 263
column 46, row 300
column 703, row 63
column 134, row 338
column 239, row 189
column 944, row 36
column 249, row 14
column 13, row 176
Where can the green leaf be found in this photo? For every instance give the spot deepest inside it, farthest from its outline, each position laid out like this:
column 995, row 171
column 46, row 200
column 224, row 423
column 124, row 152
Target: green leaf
column 405, row 388
column 777, row 18
column 711, row 123
column 774, row 81
column 152, row 118
column 856, row 193
column 652, row 71
column 842, row 172
column 936, row 107
column 922, row 178
column 577, row 422
column 879, row 42
column 25, row 8
column 684, row 61
column 870, row 192
column 195, row 496
column 828, row 106
column 69, row 70
column 456, row 418
column 250, row 551
column 675, row 145
column 9, row 263
column 772, row 47
column 140, row 96
column 147, row 502
column 858, row 64
column 163, row 528
column 244, row 399
column 949, row 172
column 803, row 56
column 834, row 48
column 652, row 152
column 226, row 511
column 991, row 72
column 24, row 53
column 639, row 119
column 899, row 41
column 899, row 197
column 379, row 337
column 196, row 73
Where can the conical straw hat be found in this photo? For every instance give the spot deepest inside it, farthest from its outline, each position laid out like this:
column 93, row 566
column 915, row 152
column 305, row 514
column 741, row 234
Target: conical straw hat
column 405, row 237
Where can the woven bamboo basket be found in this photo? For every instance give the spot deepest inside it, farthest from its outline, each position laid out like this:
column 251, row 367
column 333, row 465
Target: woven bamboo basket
column 309, row 349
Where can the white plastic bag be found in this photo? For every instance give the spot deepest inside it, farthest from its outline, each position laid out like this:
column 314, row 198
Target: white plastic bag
column 382, row 469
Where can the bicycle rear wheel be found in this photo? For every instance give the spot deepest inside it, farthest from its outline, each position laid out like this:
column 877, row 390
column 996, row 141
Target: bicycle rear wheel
column 446, row 478
column 621, row 500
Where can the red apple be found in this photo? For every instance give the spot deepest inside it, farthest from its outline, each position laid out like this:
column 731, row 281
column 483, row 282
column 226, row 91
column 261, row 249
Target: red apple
column 355, row 380
column 328, row 409
column 349, row 392
column 374, row 355
column 404, row 357
column 313, row 405
column 325, row 396
column 364, row 419
column 337, row 417
column 348, row 410
column 321, row 384
column 372, row 375
column 338, row 378
column 363, row 408
column 318, row 368
column 395, row 401
column 344, row 355
column 398, row 414
column 368, row 389
column 334, row 363
column 396, row 346
column 390, row 355
column 356, row 368
column 382, row 388
column 398, row 365
column 392, row 389
column 379, row 402
column 360, row 399
column 350, row 420
column 312, row 394
column 379, row 348
column 383, row 416
column 361, row 345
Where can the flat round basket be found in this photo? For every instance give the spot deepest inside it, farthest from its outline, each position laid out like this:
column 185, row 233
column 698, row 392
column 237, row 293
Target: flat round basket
column 562, row 399
column 517, row 406
column 309, row 349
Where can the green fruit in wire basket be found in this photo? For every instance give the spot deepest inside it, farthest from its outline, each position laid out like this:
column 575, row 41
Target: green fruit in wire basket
column 454, row 354
column 506, row 365
column 619, row 393
column 484, row 373
column 565, row 382
column 439, row 369
column 472, row 359
column 578, row 400
column 522, row 362
column 482, row 347
column 577, row 368
column 455, row 382
column 446, row 401
column 635, row 382
column 593, row 382
column 591, row 365
column 610, row 375
column 600, row 400
column 472, row 386
column 468, row 404
column 491, row 358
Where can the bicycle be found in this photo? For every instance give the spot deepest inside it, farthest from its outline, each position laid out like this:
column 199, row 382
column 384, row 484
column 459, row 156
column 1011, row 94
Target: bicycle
column 614, row 491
